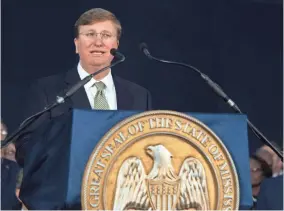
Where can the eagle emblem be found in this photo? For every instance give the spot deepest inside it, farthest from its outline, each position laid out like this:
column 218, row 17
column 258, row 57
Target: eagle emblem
column 162, row 188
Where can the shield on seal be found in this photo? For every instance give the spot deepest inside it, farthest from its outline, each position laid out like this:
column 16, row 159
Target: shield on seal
column 163, row 194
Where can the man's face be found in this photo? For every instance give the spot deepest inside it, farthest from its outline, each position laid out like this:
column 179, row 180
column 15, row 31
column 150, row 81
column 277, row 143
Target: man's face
column 94, row 43
column 9, row 152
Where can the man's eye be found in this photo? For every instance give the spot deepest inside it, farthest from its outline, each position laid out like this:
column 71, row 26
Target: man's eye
column 90, row 34
column 106, row 35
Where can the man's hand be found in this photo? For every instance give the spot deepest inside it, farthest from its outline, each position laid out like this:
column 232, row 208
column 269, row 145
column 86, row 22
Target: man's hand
column 272, row 159
column 267, row 155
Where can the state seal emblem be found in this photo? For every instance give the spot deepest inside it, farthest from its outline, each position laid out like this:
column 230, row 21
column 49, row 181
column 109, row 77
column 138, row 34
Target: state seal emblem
column 160, row 160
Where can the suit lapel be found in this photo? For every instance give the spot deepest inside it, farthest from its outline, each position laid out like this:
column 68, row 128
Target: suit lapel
column 123, row 94
column 79, row 99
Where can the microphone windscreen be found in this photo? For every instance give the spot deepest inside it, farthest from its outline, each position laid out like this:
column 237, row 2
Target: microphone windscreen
column 143, row 46
column 113, row 51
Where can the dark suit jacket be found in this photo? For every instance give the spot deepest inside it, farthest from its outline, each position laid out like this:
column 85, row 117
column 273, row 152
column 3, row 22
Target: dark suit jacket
column 271, row 194
column 43, row 92
column 9, row 171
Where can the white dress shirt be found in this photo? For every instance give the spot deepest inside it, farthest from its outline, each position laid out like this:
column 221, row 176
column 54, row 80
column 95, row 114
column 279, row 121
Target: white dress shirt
column 91, row 90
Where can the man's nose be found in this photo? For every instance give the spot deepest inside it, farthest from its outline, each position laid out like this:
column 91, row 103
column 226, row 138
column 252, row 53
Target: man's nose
column 98, row 41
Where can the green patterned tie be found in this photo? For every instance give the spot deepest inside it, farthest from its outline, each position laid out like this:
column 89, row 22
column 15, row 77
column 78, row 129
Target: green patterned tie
column 100, row 98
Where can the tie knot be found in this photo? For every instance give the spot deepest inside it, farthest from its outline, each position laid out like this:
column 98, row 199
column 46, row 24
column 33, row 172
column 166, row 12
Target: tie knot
column 100, row 85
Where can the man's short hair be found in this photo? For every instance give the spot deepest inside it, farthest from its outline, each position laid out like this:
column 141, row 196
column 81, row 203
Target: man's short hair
column 96, row 15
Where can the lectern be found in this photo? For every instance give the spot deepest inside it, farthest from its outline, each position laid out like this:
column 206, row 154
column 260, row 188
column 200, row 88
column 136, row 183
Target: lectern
column 88, row 159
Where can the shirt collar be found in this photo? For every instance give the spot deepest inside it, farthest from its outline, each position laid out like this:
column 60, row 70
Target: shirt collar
column 107, row 80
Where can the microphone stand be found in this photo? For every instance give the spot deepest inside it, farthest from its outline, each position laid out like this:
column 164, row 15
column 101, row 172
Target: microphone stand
column 218, row 90
column 59, row 100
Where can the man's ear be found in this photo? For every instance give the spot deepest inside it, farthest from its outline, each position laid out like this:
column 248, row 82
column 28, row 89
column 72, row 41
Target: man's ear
column 76, row 45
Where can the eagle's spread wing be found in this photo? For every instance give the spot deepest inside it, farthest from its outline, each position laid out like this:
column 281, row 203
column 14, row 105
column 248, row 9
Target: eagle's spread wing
column 131, row 190
column 193, row 189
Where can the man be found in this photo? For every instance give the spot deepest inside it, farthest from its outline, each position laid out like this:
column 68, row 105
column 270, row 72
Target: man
column 97, row 31
column 9, row 172
column 266, row 190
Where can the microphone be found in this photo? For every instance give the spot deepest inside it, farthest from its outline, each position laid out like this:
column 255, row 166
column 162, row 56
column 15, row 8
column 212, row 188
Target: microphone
column 212, row 84
column 61, row 99
column 218, row 90
column 117, row 54
column 144, row 48
column 73, row 89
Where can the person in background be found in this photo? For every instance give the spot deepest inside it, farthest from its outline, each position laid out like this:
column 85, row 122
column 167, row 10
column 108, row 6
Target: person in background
column 266, row 178
column 9, row 175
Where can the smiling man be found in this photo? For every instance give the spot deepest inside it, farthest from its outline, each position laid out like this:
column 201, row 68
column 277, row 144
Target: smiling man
column 97, row 31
